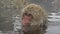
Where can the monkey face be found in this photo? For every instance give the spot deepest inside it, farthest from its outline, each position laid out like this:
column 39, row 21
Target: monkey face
column 26, row 19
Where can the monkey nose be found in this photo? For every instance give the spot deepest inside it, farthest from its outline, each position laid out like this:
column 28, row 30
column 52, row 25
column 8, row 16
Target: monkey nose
column 25, row 22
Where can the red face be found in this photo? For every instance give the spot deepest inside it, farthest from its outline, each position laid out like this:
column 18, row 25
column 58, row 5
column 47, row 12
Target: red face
column 26, row 19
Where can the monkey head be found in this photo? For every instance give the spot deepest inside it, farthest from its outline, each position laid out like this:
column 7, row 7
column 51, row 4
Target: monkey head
column 32, row 17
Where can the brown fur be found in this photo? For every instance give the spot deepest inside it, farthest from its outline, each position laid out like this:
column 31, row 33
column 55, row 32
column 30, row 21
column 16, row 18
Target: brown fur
column 39, row 22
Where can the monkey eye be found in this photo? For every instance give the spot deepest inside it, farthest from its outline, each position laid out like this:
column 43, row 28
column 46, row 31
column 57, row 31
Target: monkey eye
column 29, row 15
column 25, row 14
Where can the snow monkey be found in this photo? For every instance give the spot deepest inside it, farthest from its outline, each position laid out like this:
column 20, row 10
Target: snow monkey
column 34, row 19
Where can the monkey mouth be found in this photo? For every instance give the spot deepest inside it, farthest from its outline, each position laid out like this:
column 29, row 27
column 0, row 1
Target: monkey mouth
column 26, row 19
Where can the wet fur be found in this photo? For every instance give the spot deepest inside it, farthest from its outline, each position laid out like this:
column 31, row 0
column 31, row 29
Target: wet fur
column 39, row 21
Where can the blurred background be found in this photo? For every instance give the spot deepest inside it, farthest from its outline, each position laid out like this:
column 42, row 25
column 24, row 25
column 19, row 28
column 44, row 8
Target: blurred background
column 10, row 11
